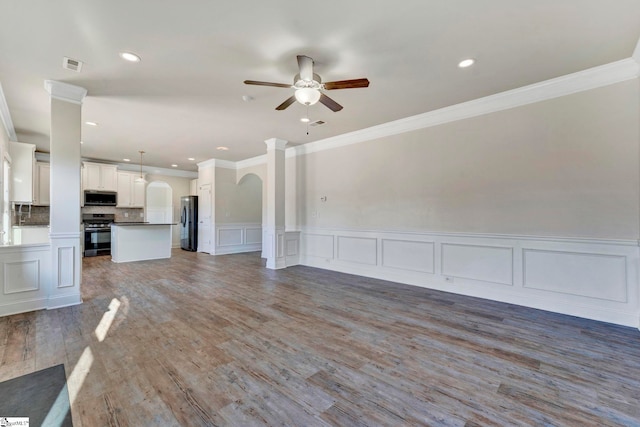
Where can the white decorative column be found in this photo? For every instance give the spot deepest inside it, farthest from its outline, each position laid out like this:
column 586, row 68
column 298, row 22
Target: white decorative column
column 274, row 230
column 65, row 235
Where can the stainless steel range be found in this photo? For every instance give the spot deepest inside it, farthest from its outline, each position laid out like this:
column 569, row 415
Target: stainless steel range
column 97, row 234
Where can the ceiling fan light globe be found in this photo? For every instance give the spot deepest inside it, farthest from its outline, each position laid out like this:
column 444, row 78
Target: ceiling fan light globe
column 307, row 95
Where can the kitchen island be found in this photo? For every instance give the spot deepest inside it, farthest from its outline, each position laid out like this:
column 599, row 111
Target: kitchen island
column 140, row 241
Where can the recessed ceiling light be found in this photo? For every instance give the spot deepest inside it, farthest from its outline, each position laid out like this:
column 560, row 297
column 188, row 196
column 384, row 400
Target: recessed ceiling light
column 127, row 160
column 466, row 63
column 247, row 98
column 128, row 56
column 222, row 148
column 305, row 120
column 174, row 165
column 81, row 142
column 91, row 123
column 191, row 159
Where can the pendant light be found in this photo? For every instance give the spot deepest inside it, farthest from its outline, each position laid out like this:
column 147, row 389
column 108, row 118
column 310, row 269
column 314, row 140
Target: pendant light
column 141, row 178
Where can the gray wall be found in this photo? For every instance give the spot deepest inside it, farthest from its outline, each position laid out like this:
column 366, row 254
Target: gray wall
column 562, row 167
column 238, row 203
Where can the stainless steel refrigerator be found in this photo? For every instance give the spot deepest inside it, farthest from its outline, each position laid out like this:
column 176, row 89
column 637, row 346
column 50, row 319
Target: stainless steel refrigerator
column 189, row 223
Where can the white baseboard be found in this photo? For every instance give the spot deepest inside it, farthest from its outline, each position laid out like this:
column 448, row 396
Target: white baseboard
column 64, row 301
column 23, row 306
column 590, row 278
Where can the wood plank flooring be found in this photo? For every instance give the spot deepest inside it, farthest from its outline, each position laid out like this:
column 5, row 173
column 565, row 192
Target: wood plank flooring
column 200, row 341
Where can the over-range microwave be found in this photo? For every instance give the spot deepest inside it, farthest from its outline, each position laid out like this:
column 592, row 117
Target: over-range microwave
column 100, row 198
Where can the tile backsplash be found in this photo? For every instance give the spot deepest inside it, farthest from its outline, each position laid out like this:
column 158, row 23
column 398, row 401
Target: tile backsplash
column 37, row 215
column 121, row 214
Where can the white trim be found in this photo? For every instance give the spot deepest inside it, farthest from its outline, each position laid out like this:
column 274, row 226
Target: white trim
column 275, row 144
column 5, row 115
column 66, row 235
column 23, row 306
column 600, row 281
column 217, row 163
column 636, row 52
column 592, row 78
column 65, row 91
column 129, row 167
column 225, row 164
column 64, row 301
column 253, row 161
column 420, row 234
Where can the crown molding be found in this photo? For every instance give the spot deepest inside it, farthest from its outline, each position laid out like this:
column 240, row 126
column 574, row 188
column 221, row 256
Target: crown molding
column 5, row 116
column 65, row 91
column 253, row 161
column 217, row 163
column 275, row 144
column 225, row 164
column 128, row 167
column 592, row 78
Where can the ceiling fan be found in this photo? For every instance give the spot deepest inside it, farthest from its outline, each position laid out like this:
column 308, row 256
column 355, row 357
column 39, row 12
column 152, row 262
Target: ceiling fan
column 308, row 86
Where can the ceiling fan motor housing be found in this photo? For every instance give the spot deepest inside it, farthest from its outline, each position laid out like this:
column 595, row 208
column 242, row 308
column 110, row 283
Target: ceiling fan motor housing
column 299, row 83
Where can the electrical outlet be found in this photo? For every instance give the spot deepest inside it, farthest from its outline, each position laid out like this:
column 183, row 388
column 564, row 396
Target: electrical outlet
column 141, row 214
column 448, row 279
column 126, row 214
column 314, row 214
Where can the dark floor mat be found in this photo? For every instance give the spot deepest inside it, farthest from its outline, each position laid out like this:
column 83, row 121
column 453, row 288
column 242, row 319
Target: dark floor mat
column 40, row 396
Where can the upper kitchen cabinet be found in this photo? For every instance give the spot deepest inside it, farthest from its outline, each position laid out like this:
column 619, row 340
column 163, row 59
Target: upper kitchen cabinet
column 42, row 184
column 22, row 166
column 130, row 190
column 97, row 176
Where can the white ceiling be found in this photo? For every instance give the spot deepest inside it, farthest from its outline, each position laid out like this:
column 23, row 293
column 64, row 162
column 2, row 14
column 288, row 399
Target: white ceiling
column 185, row 98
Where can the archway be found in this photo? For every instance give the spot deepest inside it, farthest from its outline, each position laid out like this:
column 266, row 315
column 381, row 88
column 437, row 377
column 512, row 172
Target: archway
column 159, row 203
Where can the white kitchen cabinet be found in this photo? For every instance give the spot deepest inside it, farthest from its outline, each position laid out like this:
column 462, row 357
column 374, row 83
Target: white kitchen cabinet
column 98, row 176
column 22, row 166
column 42, row 184
column 130, row 191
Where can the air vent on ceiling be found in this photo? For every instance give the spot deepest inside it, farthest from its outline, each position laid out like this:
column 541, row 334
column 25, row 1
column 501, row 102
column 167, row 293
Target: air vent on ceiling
column 317, row 123
column 72, row 64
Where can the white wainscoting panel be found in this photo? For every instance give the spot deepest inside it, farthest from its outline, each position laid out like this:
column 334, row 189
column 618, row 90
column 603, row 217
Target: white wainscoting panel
column 229, row 236
column 360, row 250
column 253, row 236
column 317, row 245
column 25, row 276
column 409, row 255
column 597, row 276
column 292, row 247
column 238, row 238
column 21, row 276
column 475, row 262
column 592, row 278
column 66, row 267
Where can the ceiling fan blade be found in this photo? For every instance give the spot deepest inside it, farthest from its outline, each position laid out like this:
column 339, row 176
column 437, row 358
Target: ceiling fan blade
column 305, row 64
column 286, row 103
column 347, row 84
column 253, row 82
column 330, row 103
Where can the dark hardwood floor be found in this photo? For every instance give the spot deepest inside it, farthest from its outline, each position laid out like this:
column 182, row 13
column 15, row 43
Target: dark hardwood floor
column 201, row 340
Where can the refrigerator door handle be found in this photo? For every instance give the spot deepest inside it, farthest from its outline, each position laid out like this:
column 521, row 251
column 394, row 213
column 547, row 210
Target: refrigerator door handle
column 183, row 219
